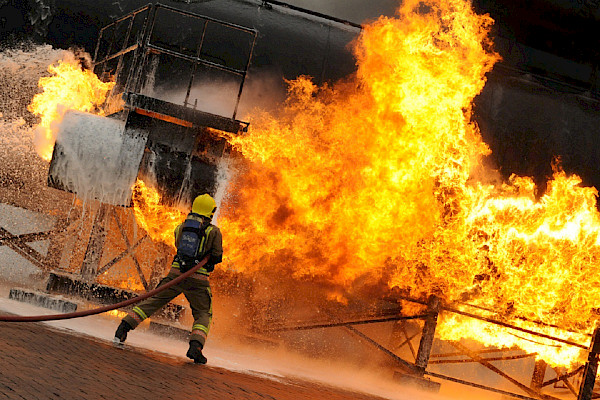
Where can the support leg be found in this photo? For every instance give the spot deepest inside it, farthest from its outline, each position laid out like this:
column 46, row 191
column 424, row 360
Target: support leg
column 539, row 372
column 586, row 389
column 426, row 343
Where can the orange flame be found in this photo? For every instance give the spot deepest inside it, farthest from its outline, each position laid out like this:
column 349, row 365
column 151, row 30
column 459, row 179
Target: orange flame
column 371, row 179
column 156, row 219
column 69, row 87
column 353, row 173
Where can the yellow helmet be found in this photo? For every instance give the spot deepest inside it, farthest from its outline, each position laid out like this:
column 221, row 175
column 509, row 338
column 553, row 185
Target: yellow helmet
column 204, row 205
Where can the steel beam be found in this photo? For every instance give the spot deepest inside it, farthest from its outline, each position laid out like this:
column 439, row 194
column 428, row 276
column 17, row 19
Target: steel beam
column 488, row 359
column 93, row 252
column 478, row 386
column 345, row 323
column 426, row 343
column 586, row 389
column 497, row 370
column 129, row 251
column 504, row 324
column 404, row 365
column 495, row 322
column 19, row 246
column 564, row 376
column 483, row 351
column 539, row 372
column 138, row 267
column 533, row 321
column 565, row 381
column 395, row 342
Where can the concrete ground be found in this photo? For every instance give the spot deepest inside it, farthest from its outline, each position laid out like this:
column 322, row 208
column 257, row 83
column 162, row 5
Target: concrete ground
column 41, row 362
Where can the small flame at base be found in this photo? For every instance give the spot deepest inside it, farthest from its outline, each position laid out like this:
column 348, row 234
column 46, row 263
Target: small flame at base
column 156, row 219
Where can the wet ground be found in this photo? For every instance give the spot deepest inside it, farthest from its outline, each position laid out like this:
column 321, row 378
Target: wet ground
column 42, row 362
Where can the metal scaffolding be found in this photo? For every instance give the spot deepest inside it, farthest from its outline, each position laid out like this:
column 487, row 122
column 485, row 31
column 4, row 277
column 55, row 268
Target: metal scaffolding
column 416, row 371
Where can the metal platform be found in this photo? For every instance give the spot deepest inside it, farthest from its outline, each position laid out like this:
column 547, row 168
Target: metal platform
column 167, row 139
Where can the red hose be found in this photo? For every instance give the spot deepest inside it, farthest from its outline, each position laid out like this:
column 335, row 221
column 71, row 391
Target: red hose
column 99, row 310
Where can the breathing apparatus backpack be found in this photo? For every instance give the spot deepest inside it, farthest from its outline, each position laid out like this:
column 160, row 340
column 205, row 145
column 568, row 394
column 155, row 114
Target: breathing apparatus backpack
column 190, row 239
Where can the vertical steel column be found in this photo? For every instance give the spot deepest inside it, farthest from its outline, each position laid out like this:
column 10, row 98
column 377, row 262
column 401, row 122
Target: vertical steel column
column 539, row 372
column 93, row 253
column 586, row 389
column 426, row 343
column 237, row 103
column 198, row 54
column 57, row 243
column 134, row 79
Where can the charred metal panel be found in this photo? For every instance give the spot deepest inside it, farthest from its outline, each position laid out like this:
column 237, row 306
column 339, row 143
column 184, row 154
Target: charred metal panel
column 168, row 143
column 528, row 121
column 183, row 115
column 180, row 162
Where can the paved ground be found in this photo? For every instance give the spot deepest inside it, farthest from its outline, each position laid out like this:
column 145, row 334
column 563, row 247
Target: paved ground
column 40, row 362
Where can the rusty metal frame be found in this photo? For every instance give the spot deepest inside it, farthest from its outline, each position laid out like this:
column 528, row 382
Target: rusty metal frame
column 130, row 251
column 18, row 243
column 91, row 267
column 129, row 79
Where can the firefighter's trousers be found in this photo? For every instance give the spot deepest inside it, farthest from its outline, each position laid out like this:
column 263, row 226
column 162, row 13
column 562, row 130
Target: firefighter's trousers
column 196, row 291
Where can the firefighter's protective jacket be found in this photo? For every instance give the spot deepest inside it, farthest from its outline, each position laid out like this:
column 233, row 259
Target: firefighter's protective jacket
column 197, row 287
column 211, row 244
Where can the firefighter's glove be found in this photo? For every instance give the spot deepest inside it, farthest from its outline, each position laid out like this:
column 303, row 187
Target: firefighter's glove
column 184, row 266
column 209, row 267
column 212, row 261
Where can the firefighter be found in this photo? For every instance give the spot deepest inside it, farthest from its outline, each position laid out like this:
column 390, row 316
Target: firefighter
column 195, row 238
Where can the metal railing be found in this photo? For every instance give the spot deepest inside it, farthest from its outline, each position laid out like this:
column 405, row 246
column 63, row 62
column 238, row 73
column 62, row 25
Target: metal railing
column 129, row 74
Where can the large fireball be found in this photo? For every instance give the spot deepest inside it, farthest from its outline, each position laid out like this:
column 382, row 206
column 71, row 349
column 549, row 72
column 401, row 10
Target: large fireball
column 371, row 179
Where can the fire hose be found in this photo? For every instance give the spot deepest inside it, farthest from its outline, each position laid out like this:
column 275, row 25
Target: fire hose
column 99, row 310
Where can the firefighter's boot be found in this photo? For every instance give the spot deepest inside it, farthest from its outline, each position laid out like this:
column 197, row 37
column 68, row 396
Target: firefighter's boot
column 195, row 352
column 121, row 333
